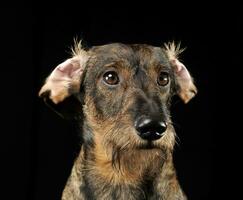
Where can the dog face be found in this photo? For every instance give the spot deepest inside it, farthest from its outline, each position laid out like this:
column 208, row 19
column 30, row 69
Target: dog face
column 125, row 90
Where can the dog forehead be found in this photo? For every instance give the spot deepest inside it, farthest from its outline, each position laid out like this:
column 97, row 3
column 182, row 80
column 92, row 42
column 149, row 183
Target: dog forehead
column 114, row 50
column 148, row 55
column 134, row 54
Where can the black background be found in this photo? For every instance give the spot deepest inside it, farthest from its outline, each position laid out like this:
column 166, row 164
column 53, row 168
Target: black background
column 38, row 147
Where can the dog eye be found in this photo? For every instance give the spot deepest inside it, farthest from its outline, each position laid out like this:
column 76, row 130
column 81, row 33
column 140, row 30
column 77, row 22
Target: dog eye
column 111, row 78
column 163, row 79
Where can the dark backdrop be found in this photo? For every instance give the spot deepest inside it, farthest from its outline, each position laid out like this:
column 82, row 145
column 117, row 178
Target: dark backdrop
column 39, row 147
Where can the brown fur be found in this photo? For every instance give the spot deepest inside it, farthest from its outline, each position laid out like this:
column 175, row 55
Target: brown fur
column 114, row 162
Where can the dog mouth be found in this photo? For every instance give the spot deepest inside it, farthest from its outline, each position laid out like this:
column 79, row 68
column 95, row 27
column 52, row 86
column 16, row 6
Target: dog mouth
column 148, row 145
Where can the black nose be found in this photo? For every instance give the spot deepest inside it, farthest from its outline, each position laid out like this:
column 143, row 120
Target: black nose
column 150, row 129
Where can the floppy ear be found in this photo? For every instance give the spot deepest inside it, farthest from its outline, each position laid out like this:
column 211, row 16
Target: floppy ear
column 186, row 88
column 66, row 78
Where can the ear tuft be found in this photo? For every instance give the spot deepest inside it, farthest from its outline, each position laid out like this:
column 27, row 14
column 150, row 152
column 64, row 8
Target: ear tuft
column 77, row 49
column 173, row 50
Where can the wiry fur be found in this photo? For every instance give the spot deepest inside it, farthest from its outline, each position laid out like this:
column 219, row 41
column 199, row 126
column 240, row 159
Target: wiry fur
column 173, row 50
column 77, row 49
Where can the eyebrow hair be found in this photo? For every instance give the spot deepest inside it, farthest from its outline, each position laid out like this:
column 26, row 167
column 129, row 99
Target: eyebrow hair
column 110, row 64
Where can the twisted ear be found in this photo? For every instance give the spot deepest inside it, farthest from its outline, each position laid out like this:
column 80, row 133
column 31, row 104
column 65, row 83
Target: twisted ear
column 66, row 78
column 186, row 88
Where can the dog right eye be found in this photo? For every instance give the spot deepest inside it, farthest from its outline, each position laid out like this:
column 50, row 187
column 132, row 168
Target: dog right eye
column 111, row 78
column 163, row 79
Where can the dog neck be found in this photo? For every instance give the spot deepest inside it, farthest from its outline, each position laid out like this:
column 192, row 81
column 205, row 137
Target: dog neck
column 127, row 166
column 138, row 176
column 127, row 171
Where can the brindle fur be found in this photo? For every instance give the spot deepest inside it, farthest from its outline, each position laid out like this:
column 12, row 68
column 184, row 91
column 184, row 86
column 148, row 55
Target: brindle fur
column 114, row 163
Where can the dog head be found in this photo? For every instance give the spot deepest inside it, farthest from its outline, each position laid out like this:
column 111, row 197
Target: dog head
column 123, row 91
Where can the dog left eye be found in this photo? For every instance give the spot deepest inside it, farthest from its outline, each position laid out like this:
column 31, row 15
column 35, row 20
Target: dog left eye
column 111, row 78
column 163, row 79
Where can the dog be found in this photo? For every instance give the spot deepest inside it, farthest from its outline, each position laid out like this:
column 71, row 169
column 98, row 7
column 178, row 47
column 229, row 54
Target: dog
column 120, row 95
